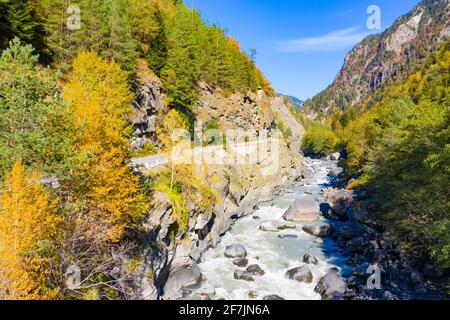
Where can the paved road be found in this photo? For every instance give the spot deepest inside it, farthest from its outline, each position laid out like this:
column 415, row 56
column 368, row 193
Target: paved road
column 150, row 162
column 216, row 152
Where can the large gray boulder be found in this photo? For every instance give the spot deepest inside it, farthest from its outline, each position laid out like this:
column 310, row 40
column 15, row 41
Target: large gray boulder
column 185, row 277
column 243, row 275
column 235, row 251
column 318, row 230
column 335, row 156
column 304, row 209
column 255, row 270
column 300, row 274
column 285, row 226
column 331, row 284
column 241, row 263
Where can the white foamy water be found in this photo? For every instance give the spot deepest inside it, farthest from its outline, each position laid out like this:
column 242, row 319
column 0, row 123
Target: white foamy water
column 273, row 254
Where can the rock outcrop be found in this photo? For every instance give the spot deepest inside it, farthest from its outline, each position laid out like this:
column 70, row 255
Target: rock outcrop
column 171, row 254
column 148, row 103
column 236, row 251
column 384, row 58
column 300, row 274
column 318, row 230
column 304, row 209
column 331, row 286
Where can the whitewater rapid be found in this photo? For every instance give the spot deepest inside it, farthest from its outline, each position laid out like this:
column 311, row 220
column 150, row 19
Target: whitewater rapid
column 273, row 254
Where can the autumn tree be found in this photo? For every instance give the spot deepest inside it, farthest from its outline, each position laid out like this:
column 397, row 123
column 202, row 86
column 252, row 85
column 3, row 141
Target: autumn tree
column 320, row 141
column 398, row 151
column 100, row 101
column 29, row 238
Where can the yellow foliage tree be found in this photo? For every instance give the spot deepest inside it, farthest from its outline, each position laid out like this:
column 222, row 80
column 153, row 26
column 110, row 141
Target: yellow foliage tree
column 100, row 102
column 170, row 132
column 28, row 232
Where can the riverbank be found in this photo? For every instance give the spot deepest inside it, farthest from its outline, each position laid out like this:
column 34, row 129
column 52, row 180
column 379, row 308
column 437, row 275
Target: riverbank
column 347, row 257
column 273, row 247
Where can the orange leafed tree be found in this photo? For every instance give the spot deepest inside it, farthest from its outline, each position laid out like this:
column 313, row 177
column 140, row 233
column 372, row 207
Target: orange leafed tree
column 100, row 102
column 28, row 232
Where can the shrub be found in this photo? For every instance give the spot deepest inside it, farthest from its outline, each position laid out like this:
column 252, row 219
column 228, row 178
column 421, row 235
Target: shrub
column 319, row 141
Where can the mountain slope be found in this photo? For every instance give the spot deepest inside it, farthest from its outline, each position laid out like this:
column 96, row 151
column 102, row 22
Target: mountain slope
column 386, row 58
column 295, row 101
column 279, row 107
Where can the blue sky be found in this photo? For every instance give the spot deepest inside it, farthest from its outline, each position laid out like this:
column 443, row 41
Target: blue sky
column 301, row 44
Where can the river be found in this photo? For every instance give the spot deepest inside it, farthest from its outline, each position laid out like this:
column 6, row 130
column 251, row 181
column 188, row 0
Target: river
column 272, row 251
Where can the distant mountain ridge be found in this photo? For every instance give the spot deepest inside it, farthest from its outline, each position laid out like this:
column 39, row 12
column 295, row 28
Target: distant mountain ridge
column 383, row 59
column 295, row 101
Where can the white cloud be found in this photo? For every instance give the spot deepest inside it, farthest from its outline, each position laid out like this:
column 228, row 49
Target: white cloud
column 333, row 41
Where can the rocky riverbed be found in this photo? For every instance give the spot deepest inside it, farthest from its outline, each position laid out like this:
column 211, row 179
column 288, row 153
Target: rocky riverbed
column 269, row 255
column 315, row 242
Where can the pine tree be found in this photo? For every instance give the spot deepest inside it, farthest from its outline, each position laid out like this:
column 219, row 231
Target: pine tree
column 158, row 47
column 33, row 123
column 122, row 47
column 22, row 19
column 105, row 28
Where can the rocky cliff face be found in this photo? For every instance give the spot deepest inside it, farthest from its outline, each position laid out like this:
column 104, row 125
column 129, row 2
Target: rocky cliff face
column 279, row 107
column 170, row 260
column 148, row 103
column 385, row 58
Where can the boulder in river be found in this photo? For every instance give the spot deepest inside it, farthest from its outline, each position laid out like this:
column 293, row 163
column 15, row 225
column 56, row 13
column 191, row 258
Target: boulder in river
column 310, row 259
column 300, row 274
column 240, row 262
column 255, row 270
column 322, row 230
column 287, row 236
column 235, row 251
column 284, row 226
column 304, row 209
column 331, row 284
column 273, row 297
column 184, row 277
column 243, row 275
column 330, row 214
column 335, row 156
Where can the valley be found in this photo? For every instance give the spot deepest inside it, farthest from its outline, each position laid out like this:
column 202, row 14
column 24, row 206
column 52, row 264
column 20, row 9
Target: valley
column 145, row 155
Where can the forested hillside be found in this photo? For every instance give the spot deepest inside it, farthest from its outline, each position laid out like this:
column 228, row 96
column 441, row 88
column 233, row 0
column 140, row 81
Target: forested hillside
column 178, row 45
column 397, row 154
column 66, row 99
column 400, row 151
